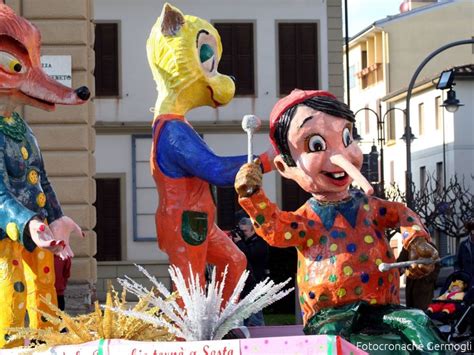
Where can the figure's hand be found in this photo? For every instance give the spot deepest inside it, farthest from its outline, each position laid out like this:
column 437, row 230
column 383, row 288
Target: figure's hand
column 62, row 229
column 419, row 248
column 43, row 237
column 249, row 179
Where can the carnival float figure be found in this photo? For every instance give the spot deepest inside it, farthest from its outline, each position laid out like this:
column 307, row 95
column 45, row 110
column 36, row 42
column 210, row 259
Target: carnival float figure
column 32, row 224
column 339, row 233
column 184, row 53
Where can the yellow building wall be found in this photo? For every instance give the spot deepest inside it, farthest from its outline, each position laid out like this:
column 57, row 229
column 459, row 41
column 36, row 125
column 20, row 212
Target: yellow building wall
column 413, row 37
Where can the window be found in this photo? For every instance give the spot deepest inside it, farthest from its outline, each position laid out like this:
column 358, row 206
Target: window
column 392, row 171
column 391, row 131
column 238, row 55
column 145, row 196
column 108, row 226
column 421, row 118
column 423, row 178
column 106, row 59
column 438, row 113
column 298, row 56
column 352, row 77
column 363, row 59
column 439, row 176
column 367, row 121
column 227, row 206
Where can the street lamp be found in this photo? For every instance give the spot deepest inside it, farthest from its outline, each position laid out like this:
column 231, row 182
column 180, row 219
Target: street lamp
column 446, row 81
column 403, row 137
column 408, row 174
column 381, row 142
column 355, row 134
column 451, row 104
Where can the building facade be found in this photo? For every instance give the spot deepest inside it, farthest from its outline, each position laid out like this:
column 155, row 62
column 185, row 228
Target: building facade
column 383, row 58
column 269, row 48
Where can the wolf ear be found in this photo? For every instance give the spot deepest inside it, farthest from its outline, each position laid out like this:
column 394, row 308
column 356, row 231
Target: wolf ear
column 172, row 20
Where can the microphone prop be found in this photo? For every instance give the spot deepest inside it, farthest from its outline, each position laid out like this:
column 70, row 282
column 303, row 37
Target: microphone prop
column 250, row 123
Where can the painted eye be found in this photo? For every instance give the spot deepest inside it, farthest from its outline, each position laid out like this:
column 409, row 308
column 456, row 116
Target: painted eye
column 316, row 143
column 346, row 137
column 10, row 64
column 205, row 53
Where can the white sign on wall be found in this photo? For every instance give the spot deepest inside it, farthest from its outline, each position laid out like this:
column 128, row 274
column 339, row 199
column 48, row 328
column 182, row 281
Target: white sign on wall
column 58, row 67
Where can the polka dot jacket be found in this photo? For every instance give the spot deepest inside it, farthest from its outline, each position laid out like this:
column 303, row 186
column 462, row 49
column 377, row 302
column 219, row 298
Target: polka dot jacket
column 25, row 191
column 339, row 246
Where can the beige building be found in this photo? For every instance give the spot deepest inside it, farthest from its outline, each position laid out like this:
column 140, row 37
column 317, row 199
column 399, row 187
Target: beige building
column 383, row 58
column 67, row 136
column 266, row 35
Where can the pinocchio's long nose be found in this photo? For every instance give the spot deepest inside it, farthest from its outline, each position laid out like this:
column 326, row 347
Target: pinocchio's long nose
column 83, row 93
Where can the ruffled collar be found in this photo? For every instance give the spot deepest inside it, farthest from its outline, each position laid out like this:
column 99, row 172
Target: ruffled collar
column 13, row 126
column 349, row 208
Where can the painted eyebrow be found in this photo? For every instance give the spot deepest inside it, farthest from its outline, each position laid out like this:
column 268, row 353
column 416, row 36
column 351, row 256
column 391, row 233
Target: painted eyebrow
column 199, row 33
column 305, row 120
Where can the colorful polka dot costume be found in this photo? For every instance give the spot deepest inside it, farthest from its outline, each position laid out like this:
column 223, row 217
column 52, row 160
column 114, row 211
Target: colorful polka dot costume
column 339, row 246
column 26, row 271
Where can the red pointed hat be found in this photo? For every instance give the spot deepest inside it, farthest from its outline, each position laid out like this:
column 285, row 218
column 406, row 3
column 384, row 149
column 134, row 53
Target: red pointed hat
column 294, row 98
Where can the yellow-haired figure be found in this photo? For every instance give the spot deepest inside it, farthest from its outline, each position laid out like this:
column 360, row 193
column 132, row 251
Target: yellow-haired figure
column 184, row 53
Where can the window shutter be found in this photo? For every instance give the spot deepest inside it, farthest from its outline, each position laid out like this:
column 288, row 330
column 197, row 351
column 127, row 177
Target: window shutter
column 287, row 57
column 227, row 206
column 225, row 64
column 237, row 57
column 307, row 56
column 298, row 56
column 108, row 226
column 106, row 59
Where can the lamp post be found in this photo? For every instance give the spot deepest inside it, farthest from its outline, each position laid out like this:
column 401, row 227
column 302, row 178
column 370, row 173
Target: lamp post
column 381, row 142
column 380, row 138
column 408, row 174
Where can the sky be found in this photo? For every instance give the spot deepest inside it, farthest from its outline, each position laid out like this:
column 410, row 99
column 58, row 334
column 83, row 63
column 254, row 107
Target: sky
column 363, row 13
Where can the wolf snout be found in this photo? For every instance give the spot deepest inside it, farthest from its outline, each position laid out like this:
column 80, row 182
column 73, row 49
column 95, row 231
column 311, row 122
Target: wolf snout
column 83, row 93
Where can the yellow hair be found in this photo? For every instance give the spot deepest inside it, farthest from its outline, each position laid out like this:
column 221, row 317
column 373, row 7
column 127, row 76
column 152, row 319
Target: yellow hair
column 458, row 283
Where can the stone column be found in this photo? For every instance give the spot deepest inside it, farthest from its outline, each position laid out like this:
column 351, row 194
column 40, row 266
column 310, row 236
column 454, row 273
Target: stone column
column 66, row 136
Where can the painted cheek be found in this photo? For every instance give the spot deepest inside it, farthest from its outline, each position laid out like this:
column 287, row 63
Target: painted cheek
column 355, row 155
column 311, row 163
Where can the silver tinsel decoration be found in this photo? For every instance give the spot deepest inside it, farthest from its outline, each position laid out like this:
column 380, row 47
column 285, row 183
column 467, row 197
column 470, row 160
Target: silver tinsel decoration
column 203, row 316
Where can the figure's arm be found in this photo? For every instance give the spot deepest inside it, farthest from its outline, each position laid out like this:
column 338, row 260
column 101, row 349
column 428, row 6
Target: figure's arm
column 278, row 228
column 60, row 225
column 389, row 214
column 14, row 217
column 458, row 296
column 53, row 207
column 415, row 240
column 181, row 152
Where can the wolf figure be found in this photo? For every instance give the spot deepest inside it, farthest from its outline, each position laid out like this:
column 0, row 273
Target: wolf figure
column 32, row 224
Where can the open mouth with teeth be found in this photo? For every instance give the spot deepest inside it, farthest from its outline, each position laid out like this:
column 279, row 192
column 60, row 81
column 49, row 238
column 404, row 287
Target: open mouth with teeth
column 339, row 178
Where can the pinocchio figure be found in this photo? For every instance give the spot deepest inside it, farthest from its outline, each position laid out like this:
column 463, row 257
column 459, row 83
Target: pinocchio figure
column 339, row 233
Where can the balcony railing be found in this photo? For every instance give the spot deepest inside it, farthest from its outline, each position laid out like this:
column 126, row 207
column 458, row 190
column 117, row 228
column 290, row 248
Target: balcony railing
column 371, row 75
